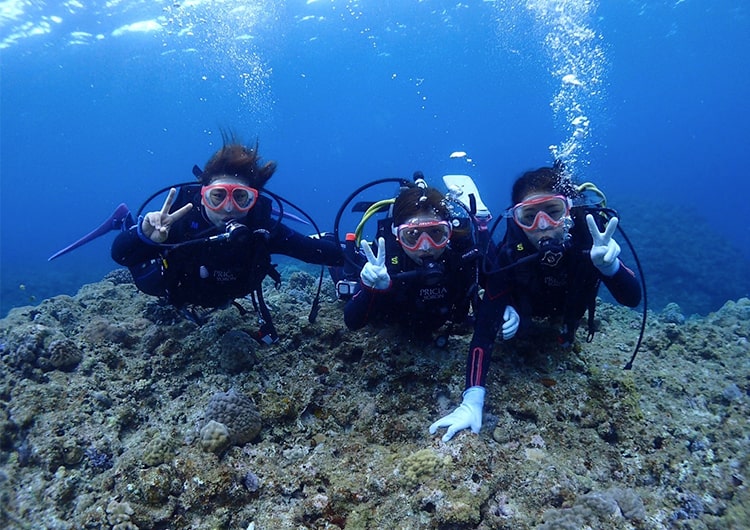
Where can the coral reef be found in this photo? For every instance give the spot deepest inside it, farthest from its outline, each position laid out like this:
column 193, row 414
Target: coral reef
column 236, row 413
column 115, row 415
column 159, row 450
column 215, row 437
column 118, row 515
column 595, row 510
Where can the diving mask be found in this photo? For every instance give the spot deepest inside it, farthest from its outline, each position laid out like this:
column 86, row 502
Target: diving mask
column 216, row 197
column 413, row 234
column 541, row 212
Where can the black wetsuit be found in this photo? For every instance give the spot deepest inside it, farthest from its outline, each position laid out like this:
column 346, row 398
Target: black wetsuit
column 204, row 265
column 420, row 298
column 562, row 284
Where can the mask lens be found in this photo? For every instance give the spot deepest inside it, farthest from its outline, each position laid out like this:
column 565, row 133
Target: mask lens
column 409, row 236
column 242, row 197
column 216, row 197
column 437, row 234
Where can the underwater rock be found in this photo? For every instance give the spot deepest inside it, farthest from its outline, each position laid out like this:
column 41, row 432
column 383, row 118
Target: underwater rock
column 118, row 515
column 672, row 314
column 117, row 438
column 64, row 354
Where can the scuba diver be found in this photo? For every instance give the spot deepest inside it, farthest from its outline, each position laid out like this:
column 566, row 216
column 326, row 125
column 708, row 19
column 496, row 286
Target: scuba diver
column 550, row 264
column 211, row 242
column 423, row 272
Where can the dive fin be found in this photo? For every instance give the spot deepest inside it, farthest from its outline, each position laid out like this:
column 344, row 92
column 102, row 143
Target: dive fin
column 114, row 222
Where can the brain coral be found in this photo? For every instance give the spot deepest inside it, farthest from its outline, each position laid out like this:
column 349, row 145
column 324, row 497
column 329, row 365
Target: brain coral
column 421, row 465
column 237, row 413
column 236, row 352
column 159, row 450
column 215, row 437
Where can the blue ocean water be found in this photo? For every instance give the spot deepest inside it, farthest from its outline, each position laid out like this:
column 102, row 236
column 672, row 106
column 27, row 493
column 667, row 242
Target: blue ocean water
column 106, row 102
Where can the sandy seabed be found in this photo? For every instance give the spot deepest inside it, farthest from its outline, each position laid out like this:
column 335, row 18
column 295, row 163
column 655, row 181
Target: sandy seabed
column 117, row 413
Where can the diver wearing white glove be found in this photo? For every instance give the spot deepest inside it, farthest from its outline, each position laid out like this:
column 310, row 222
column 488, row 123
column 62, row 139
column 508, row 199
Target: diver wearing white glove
column 467, row 415
column 375, row 274
column 511, row 320
column 541, row 214
column 605, row 250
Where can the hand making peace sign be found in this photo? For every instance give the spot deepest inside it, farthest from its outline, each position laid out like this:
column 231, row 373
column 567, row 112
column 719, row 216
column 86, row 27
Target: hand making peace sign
column 605, row 250
column 375, row 274
column 156, row 225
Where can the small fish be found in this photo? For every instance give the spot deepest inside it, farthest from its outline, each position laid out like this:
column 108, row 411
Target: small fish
column 458, row 154
column 546, row 381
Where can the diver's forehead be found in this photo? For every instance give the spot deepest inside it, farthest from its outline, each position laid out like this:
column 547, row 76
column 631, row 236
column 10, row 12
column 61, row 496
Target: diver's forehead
column 539, row 195
column 225, row 179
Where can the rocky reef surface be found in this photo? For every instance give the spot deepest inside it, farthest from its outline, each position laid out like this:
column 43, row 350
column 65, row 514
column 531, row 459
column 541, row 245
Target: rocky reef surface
column 116, row 413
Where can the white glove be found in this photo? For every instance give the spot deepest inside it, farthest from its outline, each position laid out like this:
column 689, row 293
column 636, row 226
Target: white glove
column 511, row 321
column 468, row 414
column 156, row 225
column 375, row 274
column 605, row 250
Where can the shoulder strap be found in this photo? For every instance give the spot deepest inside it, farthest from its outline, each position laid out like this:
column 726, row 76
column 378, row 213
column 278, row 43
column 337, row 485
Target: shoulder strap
column 263, row 267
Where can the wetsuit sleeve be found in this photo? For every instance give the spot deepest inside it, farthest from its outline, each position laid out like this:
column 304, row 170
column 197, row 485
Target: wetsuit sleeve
column 488, row 322
column 320, row 251
column 624, row 286
column 361, row 307
column 129, row 250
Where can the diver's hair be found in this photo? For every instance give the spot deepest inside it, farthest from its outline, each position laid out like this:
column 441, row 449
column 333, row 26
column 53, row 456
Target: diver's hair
column 239, row 161
column 545, row 179
column 412, row 202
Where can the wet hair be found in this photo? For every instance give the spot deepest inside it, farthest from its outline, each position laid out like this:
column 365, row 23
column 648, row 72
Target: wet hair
column 543, row 180
column 413, row 202
column 238, row 161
